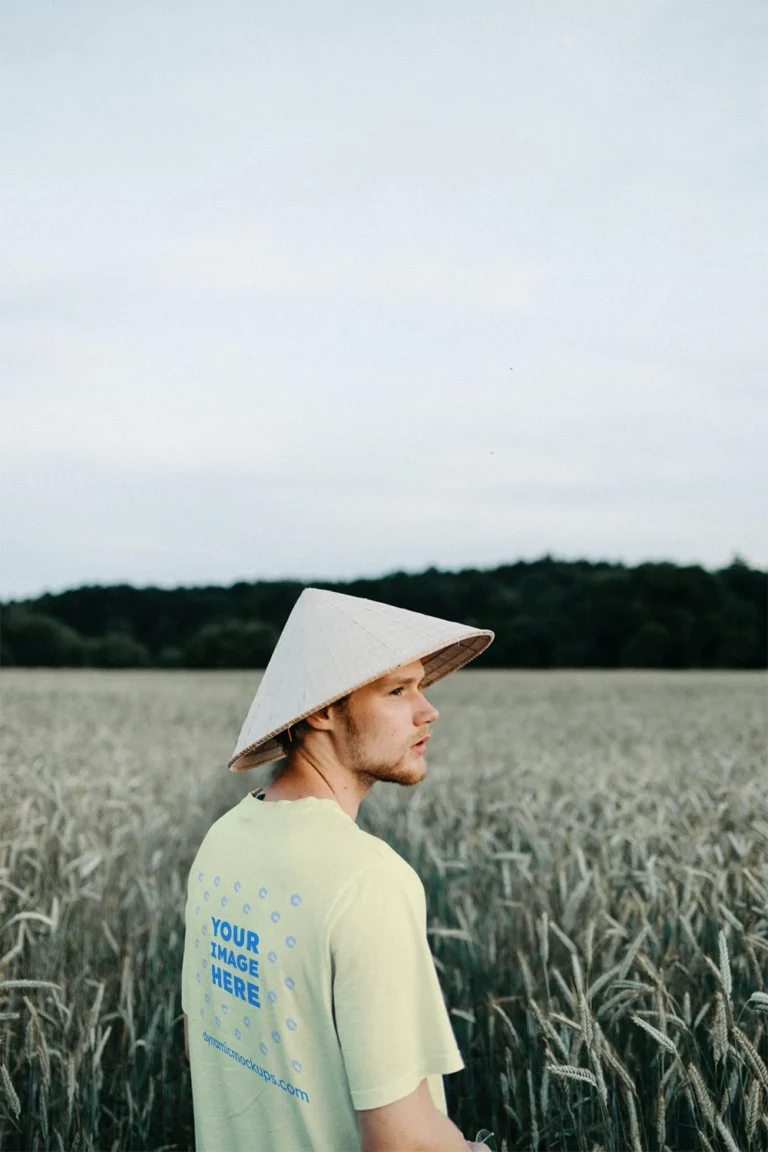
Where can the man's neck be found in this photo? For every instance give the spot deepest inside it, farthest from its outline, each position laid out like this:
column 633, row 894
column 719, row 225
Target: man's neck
column 301, row 778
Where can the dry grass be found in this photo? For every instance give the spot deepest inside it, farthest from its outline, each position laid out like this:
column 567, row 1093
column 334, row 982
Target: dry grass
column 594, row 848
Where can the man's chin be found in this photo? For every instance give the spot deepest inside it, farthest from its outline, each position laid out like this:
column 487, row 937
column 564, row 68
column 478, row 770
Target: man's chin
column 403, row 772
column 414, row 773
column 407, row 772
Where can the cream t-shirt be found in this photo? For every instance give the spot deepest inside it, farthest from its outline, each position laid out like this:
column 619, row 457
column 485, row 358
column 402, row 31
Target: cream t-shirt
column 307, row 980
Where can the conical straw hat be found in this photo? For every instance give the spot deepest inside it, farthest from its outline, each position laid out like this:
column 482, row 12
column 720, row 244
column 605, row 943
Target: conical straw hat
column 333, row 644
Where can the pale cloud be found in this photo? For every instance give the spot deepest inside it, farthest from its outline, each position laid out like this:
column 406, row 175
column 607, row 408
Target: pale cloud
column 332, row 290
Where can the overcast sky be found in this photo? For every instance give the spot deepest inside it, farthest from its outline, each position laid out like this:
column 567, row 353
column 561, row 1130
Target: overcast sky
column 332, row 289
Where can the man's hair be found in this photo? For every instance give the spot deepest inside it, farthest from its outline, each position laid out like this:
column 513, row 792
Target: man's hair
column 300, row 729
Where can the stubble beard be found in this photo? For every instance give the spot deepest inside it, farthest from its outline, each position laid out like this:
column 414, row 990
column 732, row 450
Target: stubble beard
column 391, row 771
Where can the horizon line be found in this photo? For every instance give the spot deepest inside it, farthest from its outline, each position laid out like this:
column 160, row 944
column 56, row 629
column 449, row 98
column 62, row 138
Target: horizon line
column 737, row 560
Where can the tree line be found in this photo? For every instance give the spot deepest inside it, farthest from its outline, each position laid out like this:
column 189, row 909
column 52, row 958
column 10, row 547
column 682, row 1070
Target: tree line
column 546, row 613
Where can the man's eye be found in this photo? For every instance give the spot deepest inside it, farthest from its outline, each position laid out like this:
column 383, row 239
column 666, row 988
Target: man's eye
column 396, row 691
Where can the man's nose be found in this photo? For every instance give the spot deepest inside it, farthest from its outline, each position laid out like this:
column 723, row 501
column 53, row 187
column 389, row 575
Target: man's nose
column 428, row 714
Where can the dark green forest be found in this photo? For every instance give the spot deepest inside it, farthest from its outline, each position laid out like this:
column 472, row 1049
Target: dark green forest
column 546, row 613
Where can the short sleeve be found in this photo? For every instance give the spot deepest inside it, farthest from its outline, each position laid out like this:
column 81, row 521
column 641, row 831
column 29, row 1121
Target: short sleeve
column 391, row 1020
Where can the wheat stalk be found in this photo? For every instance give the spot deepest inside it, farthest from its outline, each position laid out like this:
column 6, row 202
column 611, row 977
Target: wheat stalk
column 702, row 1095
column 727, row 1135
column 9, row 1091
column 585, row 1019
column 720, row 1028
column 634, row 1129
column 752, row 1108
column 758, row 1002
column 752, row 1055
column 661, row 1119
column 659, row 1037
column 12, row 984
column 725, row 965
column 571, row 1072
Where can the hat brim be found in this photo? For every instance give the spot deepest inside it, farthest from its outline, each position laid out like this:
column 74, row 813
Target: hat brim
column 439, row 662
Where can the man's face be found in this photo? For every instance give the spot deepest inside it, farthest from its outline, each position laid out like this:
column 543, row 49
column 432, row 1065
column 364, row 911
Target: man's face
column 381, row 731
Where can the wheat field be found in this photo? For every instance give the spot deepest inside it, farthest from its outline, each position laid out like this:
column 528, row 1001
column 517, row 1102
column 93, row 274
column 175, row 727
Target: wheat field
column 594, row 847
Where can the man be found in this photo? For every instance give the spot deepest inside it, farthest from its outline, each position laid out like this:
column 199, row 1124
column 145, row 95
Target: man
column 314, row 1019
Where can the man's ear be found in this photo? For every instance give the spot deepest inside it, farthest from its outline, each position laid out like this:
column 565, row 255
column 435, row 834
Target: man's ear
column 323, row 720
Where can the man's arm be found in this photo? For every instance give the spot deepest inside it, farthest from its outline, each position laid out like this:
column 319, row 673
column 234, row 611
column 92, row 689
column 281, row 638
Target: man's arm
column 412, row 1123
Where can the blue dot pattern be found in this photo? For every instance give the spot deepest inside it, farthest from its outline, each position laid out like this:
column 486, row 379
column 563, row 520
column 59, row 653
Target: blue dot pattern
column 272, row 997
